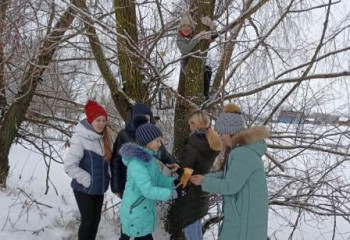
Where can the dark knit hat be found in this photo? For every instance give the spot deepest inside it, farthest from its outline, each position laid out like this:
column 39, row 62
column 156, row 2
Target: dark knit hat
column 230, row 121
column 93, row 110
column 145, row 132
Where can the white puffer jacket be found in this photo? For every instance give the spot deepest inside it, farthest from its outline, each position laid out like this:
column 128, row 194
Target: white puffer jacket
column 85, row 163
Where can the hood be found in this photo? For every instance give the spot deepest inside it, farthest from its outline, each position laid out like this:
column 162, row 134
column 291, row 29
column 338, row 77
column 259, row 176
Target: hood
column 138, row 109
column 253, row 137
column 130, row 151
column 85, row 130
column 142, row 109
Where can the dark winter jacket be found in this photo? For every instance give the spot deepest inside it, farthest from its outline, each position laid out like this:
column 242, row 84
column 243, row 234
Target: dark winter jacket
column 145, row 185
column 200, row 157
column 118, row 169
column 85, row 162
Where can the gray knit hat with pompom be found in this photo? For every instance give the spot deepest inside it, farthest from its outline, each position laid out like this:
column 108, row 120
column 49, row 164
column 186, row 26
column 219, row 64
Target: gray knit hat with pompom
column 230, row 121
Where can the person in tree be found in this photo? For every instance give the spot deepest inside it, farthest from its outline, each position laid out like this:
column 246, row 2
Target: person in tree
column 203, row 146
column 242, row 180
column 145, row 184
column 87, row 164
column 118, row 169
column 186, row 42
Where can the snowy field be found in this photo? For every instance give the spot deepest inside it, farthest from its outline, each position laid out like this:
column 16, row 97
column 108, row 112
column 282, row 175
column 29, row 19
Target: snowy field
column 26, row 212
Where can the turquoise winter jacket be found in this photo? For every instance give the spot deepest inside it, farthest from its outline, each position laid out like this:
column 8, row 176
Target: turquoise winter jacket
column 244, row 188
column 145, row 185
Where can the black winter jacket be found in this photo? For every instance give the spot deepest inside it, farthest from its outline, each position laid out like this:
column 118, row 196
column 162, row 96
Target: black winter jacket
column 194, row 205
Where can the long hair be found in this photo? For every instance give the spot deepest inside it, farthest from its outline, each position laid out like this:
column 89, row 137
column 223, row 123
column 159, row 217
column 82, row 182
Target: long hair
column 229, row 108
column 202, row 120
column 107, row 144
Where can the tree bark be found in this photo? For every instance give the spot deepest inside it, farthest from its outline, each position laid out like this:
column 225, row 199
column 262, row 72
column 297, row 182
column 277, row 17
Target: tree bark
column 127, row 44
column 15, row 115
column 191, row 83
column 120, row 100
column 191, row 87
column 3, row 9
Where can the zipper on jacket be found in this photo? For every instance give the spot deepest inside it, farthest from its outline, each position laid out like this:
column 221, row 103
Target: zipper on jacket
column 91, row 173
column 103, row 167
column 136, row 203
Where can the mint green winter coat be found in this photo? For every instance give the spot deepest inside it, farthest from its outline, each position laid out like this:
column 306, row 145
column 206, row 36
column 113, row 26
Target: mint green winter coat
column 145, row 185
column 243, row 186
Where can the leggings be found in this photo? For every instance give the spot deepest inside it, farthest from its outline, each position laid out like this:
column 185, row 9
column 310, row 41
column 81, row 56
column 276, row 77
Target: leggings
column 90, row 207
column 126, row 237
column 207, row 77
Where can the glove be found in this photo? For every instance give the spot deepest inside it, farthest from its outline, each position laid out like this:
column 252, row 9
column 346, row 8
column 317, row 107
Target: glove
column 174, row 194
column 208, row 22
column 181, row 192
column 203, row 35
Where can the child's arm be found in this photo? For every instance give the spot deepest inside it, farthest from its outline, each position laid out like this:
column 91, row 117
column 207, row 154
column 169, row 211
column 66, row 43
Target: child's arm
column 139, row 172
column 218, row 174
column 164, row 181
column 72, row 161
column 237, row 174
column 186, row 46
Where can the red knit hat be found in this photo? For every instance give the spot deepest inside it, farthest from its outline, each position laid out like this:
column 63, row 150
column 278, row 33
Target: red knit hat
column 94, row 110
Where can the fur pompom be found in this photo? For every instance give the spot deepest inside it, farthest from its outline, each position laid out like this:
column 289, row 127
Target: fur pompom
column 138, row 120
column 232, row 108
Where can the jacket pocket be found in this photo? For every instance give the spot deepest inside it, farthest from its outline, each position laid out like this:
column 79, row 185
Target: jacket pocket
column 136, row 203
column 142, row 220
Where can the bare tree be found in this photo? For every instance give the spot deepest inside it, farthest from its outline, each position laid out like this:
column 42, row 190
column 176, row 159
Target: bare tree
column 3, row 10
column 15, row 114
column 266, row 56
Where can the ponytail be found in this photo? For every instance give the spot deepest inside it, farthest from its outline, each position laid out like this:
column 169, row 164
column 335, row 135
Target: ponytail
column 107, row 144
column 202, row 120
column 214, row 140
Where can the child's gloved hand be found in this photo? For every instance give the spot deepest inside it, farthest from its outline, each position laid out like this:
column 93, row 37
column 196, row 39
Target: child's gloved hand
column 174, row 194
column 203, row 35
column 181, row 192
column 207, row 22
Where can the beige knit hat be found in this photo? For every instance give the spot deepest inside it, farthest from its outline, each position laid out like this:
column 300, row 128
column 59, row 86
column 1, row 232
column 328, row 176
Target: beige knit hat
column 187, row 20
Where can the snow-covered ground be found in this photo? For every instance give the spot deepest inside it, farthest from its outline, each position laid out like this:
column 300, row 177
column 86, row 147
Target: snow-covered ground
column 26, row 212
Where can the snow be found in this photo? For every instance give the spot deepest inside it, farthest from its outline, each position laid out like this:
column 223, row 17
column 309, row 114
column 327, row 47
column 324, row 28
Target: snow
column 26, row 212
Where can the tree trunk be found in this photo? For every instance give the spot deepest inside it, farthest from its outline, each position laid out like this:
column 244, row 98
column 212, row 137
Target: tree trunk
column 128, row 54
column 191, row 83
column 15, row 115
column 3, row 9
column 191, row 87
column 120, row 100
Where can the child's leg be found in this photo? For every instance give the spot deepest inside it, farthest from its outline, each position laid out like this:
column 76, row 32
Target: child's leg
column 207, row 77
column 147, row 237
column 123, row 236
column 194, row 231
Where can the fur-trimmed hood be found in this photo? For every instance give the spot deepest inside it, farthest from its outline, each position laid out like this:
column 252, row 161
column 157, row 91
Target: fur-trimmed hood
column 130, row 151
column 250, row 135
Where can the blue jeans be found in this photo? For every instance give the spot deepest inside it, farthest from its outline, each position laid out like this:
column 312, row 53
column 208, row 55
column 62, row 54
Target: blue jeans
column 194, row 231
